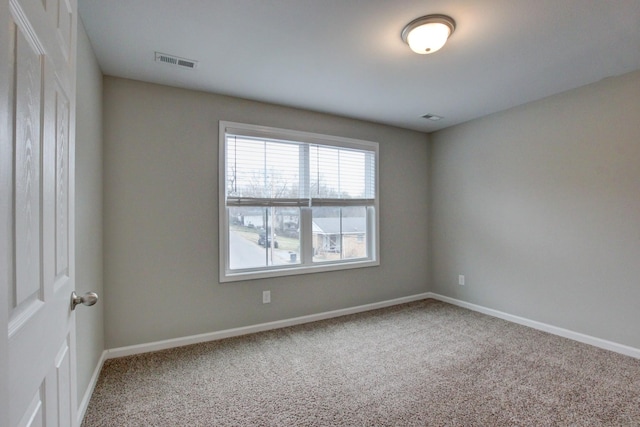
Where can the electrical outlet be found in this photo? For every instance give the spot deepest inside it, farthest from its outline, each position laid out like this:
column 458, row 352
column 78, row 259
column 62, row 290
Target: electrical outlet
column 461, row 279
column 266, row 297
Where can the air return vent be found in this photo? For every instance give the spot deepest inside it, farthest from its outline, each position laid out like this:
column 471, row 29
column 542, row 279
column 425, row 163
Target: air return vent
column 432, row 117
column 175, row 60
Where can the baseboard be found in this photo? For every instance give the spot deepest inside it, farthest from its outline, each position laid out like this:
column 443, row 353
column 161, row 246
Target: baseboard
column 228, row 333
column 576, row 336
column 84, row 404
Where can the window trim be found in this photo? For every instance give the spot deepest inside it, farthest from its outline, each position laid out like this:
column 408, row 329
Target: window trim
column 373, row 232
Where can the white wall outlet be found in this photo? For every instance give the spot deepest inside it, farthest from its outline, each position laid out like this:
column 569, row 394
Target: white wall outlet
column 266, row 297
column 461, row 279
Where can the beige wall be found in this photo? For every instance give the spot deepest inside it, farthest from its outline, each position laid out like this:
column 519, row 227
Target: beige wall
column 539, row 207
column 89, row 320
column 161, row 217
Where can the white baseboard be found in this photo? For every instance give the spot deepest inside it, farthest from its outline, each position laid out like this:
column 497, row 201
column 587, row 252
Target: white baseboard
column 228, row 333
column 84, row 404
column 194, row 339
column 576, row 336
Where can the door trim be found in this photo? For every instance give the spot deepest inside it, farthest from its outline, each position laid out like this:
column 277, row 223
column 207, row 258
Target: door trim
column 6, row 209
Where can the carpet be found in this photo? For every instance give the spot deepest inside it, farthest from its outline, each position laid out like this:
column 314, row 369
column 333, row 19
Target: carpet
column 425, row 363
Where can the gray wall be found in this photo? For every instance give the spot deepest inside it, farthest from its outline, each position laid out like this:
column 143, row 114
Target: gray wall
column 539, row 207
column 89, row 320
column 161, row 217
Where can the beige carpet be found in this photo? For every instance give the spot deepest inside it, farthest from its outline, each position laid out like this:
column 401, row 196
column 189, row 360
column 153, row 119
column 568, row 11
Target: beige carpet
column 420, row 364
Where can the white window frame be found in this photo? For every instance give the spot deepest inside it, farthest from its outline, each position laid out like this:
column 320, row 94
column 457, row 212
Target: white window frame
column 306, row 250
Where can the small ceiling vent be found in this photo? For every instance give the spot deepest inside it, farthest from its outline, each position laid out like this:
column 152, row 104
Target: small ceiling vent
column 175, row 60
column 432, row 117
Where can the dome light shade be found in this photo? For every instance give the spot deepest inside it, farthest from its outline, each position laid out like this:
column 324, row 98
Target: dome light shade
column 428, row 34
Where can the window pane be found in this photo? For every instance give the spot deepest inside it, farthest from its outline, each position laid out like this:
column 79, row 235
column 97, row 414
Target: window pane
column 339, row 233
column 341, row 173
column 261, row 237
column 262, row 169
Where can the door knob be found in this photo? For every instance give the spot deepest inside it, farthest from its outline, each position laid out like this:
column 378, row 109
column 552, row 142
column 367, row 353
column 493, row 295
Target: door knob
column 89, row 298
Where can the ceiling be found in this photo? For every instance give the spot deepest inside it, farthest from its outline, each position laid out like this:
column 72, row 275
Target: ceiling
column 346, row 57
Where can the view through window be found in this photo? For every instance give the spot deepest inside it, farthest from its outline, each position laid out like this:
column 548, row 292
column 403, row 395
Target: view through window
column 295, row 202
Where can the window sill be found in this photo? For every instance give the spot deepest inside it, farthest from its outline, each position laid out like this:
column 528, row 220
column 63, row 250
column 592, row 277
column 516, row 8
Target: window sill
column 237, row 276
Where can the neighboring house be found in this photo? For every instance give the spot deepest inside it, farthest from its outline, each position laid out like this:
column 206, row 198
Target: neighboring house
column 327, row 231
column 286, row 221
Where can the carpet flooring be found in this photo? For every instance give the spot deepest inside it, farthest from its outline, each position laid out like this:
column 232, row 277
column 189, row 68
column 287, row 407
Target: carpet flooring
column 425, row 363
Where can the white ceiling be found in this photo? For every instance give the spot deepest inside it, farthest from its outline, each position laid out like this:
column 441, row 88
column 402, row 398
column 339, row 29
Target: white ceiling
column 346, row 56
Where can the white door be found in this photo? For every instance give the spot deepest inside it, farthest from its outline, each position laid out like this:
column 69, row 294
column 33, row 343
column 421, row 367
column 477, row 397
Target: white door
column 38, row 72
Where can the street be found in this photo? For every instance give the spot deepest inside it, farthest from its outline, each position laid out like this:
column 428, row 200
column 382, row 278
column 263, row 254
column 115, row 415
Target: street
column 244, row 253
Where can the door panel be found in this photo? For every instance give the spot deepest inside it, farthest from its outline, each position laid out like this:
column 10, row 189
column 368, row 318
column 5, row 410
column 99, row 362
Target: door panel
column 41, row 105
column 27, row 163
column 33, row 416
column 58, row 385
column 62, row 106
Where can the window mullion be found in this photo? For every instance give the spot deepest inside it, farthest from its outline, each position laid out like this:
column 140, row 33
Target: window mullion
column 341, row 235
column 372, row 233
column 304, row 178
column 306, row 236
column 306, row 227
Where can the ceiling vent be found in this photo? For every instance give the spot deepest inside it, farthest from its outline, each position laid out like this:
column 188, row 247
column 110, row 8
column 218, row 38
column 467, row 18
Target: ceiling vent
column 432, row 117
column 175, row 60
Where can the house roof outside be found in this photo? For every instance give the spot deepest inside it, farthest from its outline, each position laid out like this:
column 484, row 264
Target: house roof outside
column 350, row 225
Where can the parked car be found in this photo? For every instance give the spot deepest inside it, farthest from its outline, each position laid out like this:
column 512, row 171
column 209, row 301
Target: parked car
column 264, row 240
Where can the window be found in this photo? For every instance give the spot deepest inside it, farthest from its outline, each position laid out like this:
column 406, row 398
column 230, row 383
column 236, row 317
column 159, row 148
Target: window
column 295, row 202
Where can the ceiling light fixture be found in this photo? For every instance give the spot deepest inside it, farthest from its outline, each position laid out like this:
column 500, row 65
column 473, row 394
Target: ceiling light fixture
column 428, row 34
